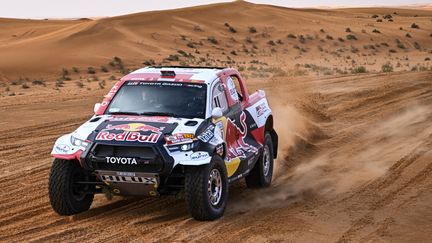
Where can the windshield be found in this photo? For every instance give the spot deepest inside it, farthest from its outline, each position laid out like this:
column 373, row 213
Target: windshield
column 160, row 98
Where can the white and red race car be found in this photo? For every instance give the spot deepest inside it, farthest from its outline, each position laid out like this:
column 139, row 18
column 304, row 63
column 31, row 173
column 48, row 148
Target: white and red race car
column 166, row 130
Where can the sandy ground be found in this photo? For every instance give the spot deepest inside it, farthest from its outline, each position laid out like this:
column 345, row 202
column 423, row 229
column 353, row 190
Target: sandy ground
column 355, row 163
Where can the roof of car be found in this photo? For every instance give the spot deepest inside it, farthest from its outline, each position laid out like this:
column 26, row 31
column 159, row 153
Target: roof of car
column 175, row 74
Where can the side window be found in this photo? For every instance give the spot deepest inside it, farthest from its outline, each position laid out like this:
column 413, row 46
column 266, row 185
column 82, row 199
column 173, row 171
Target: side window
column 234, row 88
column 219, row 98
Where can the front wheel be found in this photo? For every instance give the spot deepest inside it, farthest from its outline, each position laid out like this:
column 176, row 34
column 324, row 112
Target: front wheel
column 262, row 173
column 66, row 196
column 206, row 189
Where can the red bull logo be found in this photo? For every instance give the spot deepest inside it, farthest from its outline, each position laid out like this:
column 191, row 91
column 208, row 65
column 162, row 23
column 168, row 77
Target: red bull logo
column 237, row 147
column 134, row 127
column 131, row 133
column 128, row 137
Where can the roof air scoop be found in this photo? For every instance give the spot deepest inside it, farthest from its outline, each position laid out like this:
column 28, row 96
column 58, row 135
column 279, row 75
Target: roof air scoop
column 168, row 73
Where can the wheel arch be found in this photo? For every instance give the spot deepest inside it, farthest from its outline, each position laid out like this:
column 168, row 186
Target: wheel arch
column 269, row 127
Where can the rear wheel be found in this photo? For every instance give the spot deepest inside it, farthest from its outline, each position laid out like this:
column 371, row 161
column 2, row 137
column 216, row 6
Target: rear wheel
column 206, row 189
column 66, row 196
column 262, row 173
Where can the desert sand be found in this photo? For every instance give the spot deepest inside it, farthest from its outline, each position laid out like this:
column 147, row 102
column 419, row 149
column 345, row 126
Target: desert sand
column 354, row 117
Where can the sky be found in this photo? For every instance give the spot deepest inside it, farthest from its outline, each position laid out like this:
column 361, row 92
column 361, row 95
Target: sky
column 40, row 9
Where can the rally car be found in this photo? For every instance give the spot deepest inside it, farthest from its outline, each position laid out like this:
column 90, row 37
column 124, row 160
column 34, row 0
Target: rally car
column 168, row 130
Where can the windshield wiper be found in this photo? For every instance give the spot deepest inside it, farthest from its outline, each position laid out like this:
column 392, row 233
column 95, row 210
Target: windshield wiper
column 158, row 113
column 125, row 113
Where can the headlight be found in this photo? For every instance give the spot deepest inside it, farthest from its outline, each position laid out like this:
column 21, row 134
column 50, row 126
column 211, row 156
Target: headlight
column 183, row 147
column 78, row 142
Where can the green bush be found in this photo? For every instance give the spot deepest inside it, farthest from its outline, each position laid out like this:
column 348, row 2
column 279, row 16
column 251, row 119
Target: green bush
column 91, row 70
column 351, row 37
column 359, row 69
column 387, row 68
column 252, row 29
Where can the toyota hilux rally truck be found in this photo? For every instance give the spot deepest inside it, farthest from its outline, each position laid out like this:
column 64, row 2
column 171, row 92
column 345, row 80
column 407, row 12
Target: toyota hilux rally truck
column 187, row 131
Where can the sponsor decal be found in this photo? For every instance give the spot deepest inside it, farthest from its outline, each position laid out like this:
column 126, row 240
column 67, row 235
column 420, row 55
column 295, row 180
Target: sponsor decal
column 121, row 160
column 62, row 148
column 237, row 147
column 179, row 138
column 134, row 127
column 207, row 134
column 232, row 89
column 199, row 155
column 128, row 137
column 261, row 109
column 140, row 118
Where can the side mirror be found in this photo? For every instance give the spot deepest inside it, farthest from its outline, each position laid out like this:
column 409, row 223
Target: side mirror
column 96, row 107
column 216, row 113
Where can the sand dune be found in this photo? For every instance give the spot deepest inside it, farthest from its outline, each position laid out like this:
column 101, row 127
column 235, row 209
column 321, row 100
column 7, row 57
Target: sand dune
column 355, row 162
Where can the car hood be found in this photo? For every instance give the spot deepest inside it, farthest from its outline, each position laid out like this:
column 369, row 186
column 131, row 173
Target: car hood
column 134, row 129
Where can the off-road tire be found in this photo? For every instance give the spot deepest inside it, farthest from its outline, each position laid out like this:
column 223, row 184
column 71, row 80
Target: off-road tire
column 196, row 190
column 62, row 194
column 257, row 177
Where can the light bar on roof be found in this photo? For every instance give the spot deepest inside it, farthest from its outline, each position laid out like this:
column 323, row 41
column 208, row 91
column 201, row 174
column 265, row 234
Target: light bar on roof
column 168, row 73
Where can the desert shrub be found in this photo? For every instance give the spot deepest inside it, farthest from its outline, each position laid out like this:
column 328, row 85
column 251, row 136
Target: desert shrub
column 341, row 39
column 430, row 35
column 149, row 62
column 387, row 16
column 75, row 70
column 279, row 42
column 91, row 70
column 390, row 20
column 351, row 37
column 17, row 82
column 112, row 77
column 427, row 59
column 384, row 44
column 79, row 84
column 104, row 69
column 271, row 42
column 59, row 83
column 320, row 48
column 392, row 51
column 415, row 26
column 172, row 58
column 198, row 28
column 354, row 49
column 329, row 37
column 232, row 30
column 190, row 45
column 359, row 69
column 65, row 72
column 212, row 40
column 233, row 52
column 7, row 89
column 252, row 29
column 379, row 20
column 322, row 31
column 291, row 36
column 296, row 47
column 376, row 31
column 38, row 82
column 375, row 16
column 387, row 67
column 102, row 84
column 249, row 40
column 183, row 53
column 302, row 39
column 399, row 44
column 408, row 35
column 417, row 46
column 363, row 31
column 25, row 86
column 348, row 30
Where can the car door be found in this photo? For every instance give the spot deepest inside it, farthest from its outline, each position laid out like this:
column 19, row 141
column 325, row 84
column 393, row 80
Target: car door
column 242, row 149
